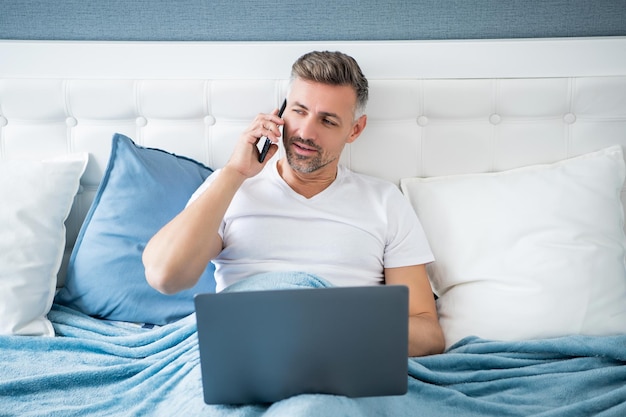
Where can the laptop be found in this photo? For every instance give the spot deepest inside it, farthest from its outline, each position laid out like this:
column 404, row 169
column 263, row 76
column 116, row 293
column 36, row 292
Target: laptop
column 265, row 346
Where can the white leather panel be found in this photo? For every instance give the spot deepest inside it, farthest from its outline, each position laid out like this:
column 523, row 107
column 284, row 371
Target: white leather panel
column 390, row 150
column 601, row 97
column 172, row 100
column 33, row 100
column 532, row 98
column 459, row 99
column 416, row 127
column 104, row 100
column 521, row 141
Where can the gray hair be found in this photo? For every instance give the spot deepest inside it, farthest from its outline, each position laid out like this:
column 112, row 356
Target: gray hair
column 333, row 68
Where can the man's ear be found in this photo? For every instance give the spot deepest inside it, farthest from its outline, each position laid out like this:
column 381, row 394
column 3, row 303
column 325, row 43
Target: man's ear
column 357, row 128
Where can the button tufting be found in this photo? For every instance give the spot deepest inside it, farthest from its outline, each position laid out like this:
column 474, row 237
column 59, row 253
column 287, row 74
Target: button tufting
column 71, row 121
column 141, row 121
column 422, row 121
column 569, row 118
column 209, row 120
column 495, row 119
column 3, row 121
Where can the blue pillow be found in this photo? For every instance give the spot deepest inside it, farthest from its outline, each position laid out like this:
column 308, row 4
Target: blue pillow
column 141, row 190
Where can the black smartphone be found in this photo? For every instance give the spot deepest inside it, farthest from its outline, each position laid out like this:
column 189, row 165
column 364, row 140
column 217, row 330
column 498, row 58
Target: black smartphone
column 266, row 145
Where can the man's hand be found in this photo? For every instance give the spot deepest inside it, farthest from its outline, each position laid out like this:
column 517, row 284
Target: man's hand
column 245, row 157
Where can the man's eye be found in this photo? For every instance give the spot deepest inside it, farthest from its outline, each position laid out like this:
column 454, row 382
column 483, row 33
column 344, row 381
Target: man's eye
column 329, row 122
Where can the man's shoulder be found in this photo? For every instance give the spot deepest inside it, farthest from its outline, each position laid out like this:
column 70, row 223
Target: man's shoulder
column 368, row 180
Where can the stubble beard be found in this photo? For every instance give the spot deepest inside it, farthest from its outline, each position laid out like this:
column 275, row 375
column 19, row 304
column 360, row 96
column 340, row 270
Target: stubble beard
column 305, row 164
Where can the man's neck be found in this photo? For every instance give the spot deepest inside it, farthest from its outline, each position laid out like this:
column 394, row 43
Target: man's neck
column 307, row 185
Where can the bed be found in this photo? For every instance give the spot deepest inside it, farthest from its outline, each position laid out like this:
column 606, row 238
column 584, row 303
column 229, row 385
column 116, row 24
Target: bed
column 510, row 151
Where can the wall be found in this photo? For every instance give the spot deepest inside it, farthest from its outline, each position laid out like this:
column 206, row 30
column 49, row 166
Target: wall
column 247, row 20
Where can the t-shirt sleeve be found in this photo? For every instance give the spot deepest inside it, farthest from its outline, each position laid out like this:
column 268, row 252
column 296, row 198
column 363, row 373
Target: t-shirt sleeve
column 199, row 192
column 202, row 187
column 406, row 242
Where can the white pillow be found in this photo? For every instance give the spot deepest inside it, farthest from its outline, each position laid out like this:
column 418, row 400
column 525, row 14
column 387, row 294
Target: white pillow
column 36, row 200
column 529, row 253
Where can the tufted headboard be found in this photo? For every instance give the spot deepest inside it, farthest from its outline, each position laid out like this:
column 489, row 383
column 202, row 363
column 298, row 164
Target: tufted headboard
column 436, row 107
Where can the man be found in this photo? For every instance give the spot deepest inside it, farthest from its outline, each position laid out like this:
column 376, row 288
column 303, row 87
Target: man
column 305, row 212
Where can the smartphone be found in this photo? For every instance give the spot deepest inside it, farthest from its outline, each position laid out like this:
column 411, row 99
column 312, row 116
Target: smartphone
column 266, row 145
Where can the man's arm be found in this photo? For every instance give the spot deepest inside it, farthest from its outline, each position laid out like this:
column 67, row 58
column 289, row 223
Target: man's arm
column 176, row 256
column 425, row 333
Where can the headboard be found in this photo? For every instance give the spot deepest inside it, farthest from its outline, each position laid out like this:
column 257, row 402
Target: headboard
column 436, row 107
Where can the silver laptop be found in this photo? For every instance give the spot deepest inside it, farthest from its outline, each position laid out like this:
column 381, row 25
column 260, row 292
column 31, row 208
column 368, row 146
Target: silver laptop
column 264, row 346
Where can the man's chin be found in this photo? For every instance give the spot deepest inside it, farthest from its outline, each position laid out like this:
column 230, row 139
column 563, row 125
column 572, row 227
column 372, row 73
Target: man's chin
column 300, row 163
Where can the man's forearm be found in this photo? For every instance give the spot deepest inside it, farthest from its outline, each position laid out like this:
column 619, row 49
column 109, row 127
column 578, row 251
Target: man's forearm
column 425, row 336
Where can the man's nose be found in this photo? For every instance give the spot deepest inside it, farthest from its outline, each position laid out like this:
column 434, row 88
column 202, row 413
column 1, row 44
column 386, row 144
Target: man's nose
column 307, row 128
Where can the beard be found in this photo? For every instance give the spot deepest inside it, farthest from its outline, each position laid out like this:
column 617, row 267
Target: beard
column 305, row 164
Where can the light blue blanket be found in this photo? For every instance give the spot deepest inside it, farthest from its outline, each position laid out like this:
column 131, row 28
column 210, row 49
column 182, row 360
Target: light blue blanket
column 98, row 368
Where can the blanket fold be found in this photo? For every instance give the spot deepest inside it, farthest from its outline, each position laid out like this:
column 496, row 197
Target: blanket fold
column 574, row 375
column 100, row 368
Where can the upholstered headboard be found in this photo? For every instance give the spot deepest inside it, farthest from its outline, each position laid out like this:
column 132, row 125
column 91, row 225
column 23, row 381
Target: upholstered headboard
column 436, row 107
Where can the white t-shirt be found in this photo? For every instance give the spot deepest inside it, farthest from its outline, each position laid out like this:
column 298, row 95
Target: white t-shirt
column 347, row 234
